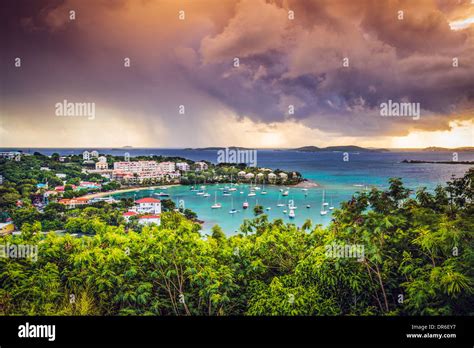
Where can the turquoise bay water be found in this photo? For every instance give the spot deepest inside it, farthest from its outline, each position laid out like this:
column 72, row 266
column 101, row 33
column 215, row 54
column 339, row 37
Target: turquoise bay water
column 337, row 177
column 230, row 222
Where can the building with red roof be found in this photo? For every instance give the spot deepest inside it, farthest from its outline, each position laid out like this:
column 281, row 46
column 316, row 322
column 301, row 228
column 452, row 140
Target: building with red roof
column 148, row 205
column 149, row 219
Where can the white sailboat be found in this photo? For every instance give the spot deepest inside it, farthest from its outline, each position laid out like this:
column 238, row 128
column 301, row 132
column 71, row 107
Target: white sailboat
column 252, row 191
column 231, row 187
column 280, row 204
column 331, row 207
column 291, row 214
column 323, row 206
column 216, row 205
column 324, row 203
column 263, row 188
column 232, row 210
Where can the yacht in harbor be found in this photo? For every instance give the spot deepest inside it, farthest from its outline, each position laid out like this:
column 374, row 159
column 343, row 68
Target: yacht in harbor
column 323, row 206
column 291, row 214
column 232, row 209
column 216, row 205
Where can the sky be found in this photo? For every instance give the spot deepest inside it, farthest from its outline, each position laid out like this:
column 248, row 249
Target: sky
column 309, row 72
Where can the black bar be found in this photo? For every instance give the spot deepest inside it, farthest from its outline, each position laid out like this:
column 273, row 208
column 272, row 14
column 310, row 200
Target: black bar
column 242, row 330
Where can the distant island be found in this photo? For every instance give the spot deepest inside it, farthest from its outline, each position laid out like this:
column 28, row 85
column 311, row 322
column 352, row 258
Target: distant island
column 217, row 148
column 353, row 148
column 347, row 148
column 438, row 162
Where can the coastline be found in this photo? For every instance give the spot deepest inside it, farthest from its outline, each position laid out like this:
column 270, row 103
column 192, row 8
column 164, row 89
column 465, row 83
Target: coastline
column 110, row 193
column 306, row 184
column 303, row 184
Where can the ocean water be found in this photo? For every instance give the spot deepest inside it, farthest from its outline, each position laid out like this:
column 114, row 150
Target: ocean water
column 338, row 178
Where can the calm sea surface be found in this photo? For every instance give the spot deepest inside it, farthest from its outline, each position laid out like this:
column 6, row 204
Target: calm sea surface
column 339, row 179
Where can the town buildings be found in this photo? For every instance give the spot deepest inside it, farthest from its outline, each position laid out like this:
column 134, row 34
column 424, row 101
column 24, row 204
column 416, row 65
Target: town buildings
column 183, row 166
column 137, row 171
column 200, row 166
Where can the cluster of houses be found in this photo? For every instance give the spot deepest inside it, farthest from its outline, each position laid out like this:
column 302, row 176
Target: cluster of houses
column 137, row 171
column 260, row 176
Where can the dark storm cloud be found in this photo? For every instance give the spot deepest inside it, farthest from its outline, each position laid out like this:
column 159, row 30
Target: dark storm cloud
column 282, row 62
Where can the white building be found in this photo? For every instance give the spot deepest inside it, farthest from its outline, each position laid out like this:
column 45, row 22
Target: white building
column 10, row 154
column 137, row 166
column 94, row 154
column 183, row 166
column 249, row 176
column 127, row 215
column 61, row 175
column 148, row 206
column 241, row 173
column 86, row 155
column 271, row 176
column 283, row 176
column 200, row 166
column 101, row 166
column 149, row 219
column 167, row 167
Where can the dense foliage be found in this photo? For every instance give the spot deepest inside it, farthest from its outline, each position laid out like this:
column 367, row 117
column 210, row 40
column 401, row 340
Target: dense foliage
column 417, row 260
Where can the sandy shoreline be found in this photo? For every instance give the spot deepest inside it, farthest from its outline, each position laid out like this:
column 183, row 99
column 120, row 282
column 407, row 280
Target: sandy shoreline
column 303, row 184
column 109, row 193
column 306, row 184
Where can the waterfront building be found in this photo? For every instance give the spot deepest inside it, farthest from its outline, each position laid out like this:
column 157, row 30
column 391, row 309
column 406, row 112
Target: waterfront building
column 148, row 206
column 183, row 166
column 138, row 171
column 241, row 174
column 86, row 155
column 167, row 167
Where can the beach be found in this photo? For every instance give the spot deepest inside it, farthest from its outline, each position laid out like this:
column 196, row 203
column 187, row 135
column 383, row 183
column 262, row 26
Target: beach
column 132, row 189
